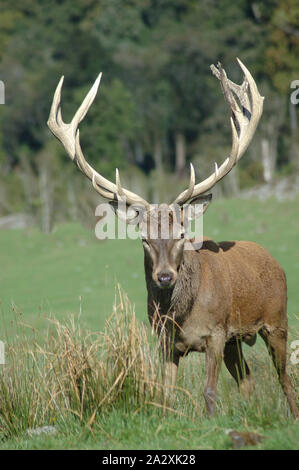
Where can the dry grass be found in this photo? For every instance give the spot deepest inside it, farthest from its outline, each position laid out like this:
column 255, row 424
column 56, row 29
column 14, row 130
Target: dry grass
column 68, row 371
column 73, row 371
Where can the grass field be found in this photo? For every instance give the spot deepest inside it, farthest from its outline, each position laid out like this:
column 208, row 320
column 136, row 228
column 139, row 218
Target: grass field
column 70, row 272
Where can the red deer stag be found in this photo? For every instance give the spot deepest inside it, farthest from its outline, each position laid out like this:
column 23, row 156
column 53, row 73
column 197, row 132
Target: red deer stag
column 210, row 299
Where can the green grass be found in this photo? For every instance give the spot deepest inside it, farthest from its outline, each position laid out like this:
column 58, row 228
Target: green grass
column 105, row 391
column 49, row 273
column 71, row 272
column 152, row 431
column 66, row 272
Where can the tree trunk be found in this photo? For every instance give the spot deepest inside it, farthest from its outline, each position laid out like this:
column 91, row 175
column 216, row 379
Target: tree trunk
column 294, row 145
column 139, row 157
column 29, row 182
column 73, row 209
column 2, row 92
column 180, row 154
column 45, row 196
column 158, row 154
column 270, row 132
column 268, row 160
column 233, row 181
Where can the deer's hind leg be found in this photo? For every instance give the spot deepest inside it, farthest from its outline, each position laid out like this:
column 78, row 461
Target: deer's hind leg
column 214, row 355
column 276, row 341
column 238, row 368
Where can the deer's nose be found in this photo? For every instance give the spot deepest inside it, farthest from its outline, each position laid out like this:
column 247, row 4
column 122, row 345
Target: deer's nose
column 165, row 279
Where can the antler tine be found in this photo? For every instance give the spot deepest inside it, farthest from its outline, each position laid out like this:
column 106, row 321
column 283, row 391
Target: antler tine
column 69, row 136
column 187, row 194
column 244, row 121
column 256, row 109
column 87, row 102
column 55, row 118
column 118, row 184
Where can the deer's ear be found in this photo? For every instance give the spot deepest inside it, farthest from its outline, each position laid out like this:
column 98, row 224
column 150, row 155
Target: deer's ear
column 129, row 214
column 198, row 205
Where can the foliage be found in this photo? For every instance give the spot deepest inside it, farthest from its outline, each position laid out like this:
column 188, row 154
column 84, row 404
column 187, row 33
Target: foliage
column 155, row 58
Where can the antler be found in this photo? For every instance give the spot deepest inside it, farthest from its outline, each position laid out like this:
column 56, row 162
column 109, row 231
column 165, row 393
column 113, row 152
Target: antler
column 69, row 136
column 244, row 121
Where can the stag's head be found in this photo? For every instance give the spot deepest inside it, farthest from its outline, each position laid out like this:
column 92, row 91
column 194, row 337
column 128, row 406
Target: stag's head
column 164, row 234
column 163, row 227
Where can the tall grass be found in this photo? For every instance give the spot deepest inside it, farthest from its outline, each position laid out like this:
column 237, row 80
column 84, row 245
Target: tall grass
column 67, row 371
column 72, row 371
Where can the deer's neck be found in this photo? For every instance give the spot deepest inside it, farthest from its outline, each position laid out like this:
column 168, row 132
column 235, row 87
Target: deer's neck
column 179, row 299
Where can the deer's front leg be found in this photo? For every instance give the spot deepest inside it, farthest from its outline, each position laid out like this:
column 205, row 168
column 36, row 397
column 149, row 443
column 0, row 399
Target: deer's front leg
column 170, row 371
column 171, row 363
column 214, row 355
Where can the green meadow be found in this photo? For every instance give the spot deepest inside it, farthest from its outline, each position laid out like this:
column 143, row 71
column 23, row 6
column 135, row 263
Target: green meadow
column 69, row 274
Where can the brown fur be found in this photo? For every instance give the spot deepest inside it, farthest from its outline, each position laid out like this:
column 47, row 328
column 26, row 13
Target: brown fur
column 222, row 294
